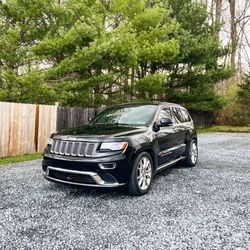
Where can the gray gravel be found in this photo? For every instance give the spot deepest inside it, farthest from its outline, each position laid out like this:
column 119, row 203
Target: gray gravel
column 206, row 207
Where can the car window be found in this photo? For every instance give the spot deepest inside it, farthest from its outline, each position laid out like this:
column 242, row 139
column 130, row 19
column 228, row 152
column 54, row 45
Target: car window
column 167, row 113
column 185, row 115
column 140, row 115
column 178, row 115
column 181, row 115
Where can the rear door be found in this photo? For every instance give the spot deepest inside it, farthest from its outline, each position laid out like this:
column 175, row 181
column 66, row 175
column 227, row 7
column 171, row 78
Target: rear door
column 181, row 128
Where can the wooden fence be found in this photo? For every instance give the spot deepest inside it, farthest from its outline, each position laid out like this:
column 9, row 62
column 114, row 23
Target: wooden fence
column 203, row 118
column 73, row 117
column 25, row 128
column 17, row 129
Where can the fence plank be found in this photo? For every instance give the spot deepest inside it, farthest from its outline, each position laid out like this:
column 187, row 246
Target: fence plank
column 73, row 117
column 46, row 124
column 6, row 129
column 16, row 127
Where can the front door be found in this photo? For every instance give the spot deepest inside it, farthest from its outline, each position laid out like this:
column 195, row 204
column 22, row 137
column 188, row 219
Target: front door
column 166, row 137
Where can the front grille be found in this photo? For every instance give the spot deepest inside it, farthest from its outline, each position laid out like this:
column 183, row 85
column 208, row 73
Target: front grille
column 72, row 148
column 77, row 178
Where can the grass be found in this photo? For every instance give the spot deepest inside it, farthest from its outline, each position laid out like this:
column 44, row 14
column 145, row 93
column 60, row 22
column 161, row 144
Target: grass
column 19, row 158
column 236, row 129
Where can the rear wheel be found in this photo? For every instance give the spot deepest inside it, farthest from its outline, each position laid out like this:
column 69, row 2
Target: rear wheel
column 142, row 174
column 191, row 154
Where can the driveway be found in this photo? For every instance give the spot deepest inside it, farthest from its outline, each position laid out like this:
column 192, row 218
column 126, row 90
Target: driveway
column 205, row 207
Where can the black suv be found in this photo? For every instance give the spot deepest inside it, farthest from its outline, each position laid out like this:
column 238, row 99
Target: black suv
column 123, row 145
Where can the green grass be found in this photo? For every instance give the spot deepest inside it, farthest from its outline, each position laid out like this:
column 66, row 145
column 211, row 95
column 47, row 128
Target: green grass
column 235, row 129
column 20, row 158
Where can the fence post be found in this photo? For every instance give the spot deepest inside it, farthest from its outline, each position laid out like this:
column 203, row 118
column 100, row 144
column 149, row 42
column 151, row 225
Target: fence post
column 36, row 127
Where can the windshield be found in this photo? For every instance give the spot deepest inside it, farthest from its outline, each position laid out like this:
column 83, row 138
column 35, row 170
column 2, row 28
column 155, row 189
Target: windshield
column 127, row 115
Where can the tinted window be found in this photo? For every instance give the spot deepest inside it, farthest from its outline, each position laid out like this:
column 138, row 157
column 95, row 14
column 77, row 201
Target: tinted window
column 165, row 113
column 181, row 115
column 185, row 115
column 127, row 115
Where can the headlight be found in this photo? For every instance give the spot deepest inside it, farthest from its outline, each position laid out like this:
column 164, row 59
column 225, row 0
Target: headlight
column 50, row 141
column 113, row 146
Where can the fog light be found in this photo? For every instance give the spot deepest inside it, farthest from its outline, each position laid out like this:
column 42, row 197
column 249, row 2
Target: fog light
column 107, row 165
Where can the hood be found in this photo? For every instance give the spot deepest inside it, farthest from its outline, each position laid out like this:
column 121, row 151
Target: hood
column 102, row 131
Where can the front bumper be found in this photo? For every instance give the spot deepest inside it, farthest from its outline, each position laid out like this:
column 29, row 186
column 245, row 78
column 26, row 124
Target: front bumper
column 87, row 172
column 69, row 177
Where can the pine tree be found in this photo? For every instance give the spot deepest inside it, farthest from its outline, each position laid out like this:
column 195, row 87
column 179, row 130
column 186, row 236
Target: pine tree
column 244, row 101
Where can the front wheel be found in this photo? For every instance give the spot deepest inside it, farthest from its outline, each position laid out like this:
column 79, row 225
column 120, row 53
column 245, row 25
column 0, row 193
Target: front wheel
column 191, row 154
column 142, row 174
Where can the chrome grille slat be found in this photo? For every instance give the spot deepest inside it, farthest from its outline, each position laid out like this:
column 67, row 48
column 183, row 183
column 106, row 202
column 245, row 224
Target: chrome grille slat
column 57, row 147
column 75, row 149
column 66, row 147
column 62, row 148
column 72, row 148
column 68, row 152
column 79, row 148
column 89, row 149
column 82, row 149
column 53, row 147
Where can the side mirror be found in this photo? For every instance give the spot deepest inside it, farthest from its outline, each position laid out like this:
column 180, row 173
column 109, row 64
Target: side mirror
column 165, row 122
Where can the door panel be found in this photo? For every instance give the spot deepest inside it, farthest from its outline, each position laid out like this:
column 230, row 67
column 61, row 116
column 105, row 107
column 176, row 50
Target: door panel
column 166, row 138
column 181, row 130
column 167, row 141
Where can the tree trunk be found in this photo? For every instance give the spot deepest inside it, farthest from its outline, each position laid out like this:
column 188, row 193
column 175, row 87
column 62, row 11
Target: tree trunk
column 233, row 34
column 218, row 10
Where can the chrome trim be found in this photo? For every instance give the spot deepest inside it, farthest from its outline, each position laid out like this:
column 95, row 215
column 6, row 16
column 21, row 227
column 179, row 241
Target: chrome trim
column 72, row 148
column 86, row 150
column 66, row 149
column 85, row 159
column 79, row 149
column 101, row 165
column 169, row 150
column 99, row 181
column 170, row 163
column 75, row 138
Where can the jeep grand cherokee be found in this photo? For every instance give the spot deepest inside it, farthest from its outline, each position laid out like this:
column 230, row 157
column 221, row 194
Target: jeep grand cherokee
column 123, row 145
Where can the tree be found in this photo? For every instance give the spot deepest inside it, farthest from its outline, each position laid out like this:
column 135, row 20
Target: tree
column 244, row 100
column 233, row 31
column 22, row 25
column 120, row 44
column 196, row 70
column 88, row 53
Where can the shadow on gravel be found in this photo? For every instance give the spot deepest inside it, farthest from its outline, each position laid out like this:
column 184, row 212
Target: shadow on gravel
column 79, row 191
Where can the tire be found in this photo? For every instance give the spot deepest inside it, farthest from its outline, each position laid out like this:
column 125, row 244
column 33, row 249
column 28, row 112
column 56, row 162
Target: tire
column 142, row 175
column 191, row 154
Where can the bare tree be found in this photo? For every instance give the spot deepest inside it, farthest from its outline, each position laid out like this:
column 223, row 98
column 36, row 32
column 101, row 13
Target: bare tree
column 233, row 34
column 218, row 9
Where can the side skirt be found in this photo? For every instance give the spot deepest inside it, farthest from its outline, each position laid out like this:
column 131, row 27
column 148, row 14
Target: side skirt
column 169, row 164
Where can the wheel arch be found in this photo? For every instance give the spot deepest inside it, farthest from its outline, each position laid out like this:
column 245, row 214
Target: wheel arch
column 148, row 150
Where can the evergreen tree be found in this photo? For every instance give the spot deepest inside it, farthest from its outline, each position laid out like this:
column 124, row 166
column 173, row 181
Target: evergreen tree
column 244, row 101
column 23, row 24
column 88, row 53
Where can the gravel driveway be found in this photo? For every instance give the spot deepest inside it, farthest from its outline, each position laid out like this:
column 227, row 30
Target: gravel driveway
column 206, row 207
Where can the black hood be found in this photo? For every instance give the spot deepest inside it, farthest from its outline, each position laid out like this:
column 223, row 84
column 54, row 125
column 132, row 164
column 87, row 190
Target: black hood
column 102, row 130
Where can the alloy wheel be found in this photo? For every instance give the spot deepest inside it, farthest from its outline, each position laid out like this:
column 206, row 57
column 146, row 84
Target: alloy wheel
column 144, row 173
column 193, row 152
